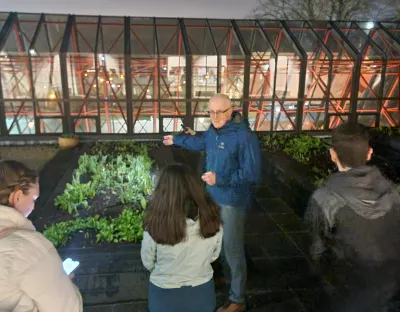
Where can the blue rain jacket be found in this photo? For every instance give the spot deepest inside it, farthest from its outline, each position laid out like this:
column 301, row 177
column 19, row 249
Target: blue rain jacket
column 233, row 153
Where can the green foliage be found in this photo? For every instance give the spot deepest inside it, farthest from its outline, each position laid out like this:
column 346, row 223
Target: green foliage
column 69, row 136
column 388, row 130
column 124, row 172
column 118, row 168
column 75, row 195
column 125, row 228
column 305, row 149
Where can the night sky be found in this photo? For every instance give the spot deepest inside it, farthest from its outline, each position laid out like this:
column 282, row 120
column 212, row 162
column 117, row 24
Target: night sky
column 160, row 8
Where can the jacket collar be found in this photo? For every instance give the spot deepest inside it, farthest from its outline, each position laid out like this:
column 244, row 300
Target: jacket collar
column 11, row 218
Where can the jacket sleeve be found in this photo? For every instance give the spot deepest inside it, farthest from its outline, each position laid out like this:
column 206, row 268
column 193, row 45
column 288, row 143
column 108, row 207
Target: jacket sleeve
column 249, row 161
column 217, row 249
column 148, row 251
column 50, row 287
column 190, row 142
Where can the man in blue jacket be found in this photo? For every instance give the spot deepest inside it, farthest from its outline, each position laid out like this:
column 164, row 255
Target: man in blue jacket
column 232, row 171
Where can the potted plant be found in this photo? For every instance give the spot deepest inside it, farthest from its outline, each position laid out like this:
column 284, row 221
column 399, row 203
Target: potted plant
column 68, row 141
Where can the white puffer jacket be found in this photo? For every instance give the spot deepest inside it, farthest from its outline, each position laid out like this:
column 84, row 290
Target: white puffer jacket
column 32, row 278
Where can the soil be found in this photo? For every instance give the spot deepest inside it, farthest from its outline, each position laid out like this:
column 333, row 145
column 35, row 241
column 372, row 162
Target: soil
column 105, row 204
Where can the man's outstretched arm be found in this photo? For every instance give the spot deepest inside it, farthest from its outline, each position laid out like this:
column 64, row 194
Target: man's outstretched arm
column 190, row 142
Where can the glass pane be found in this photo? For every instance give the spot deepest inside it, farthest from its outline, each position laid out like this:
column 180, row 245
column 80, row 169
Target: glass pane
column 390, row 113
column 367, row 120
column 314, row 114
column 145, row 117
column 50, row 35
column 85, row 125
column 144, row 70
column 370, row 79
column 386, row 43
column 360, row 40
column 287, row 75
column 201, row 123
column 335, row 121
column 393, row 28
column 335, row 44
column 172, row 60
column 391, row 87
column 50, row 108
column 262, row 60
column 47, row 76
column 204, row 60
column 339, row 106
column 284, row 115
column 51, row 125
column 21, row 35
column 199, row 107
column 172, row 108
column 260, row 115
column 172, row 124
column 15, row 80
column 84, row 108
column 232, row 58
column 19, row 117
column 113, row 117
column 318, row 65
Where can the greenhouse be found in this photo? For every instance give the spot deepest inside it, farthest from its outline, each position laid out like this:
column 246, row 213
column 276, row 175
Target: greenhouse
column 132, row 76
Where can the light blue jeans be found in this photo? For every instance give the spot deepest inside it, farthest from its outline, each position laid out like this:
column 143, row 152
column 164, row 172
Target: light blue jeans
column 233, row 258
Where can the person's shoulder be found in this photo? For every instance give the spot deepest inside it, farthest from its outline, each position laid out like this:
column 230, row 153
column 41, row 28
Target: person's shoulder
column 326, row 198
column 26, row 248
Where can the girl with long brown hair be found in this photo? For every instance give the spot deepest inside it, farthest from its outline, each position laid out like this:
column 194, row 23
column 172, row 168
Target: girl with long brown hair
column 183, row 236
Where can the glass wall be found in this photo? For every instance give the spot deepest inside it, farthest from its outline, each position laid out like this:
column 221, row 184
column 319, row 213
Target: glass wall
column 129, row 75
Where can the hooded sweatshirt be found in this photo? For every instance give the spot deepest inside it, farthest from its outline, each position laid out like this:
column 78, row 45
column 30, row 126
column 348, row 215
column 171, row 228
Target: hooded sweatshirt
column 355, row 217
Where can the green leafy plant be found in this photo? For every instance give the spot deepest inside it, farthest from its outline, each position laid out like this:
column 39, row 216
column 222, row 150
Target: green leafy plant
column 127, row 227
column 120, row 169
column 69, row 136
column 305, row 149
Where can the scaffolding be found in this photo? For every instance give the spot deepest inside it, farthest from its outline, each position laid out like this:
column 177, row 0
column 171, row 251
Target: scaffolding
column 127, row 76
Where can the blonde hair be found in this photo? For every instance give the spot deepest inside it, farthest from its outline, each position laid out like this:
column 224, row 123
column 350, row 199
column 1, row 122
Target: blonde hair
column 15, row 176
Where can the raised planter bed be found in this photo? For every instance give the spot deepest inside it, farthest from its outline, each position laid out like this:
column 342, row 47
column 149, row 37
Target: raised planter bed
column 111, row 270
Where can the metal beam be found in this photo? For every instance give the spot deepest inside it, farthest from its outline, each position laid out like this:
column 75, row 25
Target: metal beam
column 67, row 120
column 36, row 34
column 96, row 66
column 302, row 78
column 188, row 83
column 128, row 74
column 218, row 56
column 265, row 37
column 356, row 73
column 158, row 84
column 6, row 29
column 4, row 33
column 388, row 32
column 247, row 63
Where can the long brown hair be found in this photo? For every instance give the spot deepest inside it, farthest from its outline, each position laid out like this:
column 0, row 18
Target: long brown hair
column 179, row 195
column 14, row 176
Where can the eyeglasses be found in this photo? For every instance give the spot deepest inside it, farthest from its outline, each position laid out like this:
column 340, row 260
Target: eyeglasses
column 218, row 113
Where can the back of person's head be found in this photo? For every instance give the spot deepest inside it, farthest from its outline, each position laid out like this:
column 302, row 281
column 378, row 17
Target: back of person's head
column 350, row 145
column 179, row 195
column 18, row 186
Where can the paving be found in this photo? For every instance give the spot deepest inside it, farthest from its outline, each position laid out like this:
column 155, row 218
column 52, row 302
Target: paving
column 114, row 279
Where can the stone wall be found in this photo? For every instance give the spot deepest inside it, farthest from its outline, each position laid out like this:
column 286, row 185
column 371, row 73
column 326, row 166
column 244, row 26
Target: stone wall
column 33, row 156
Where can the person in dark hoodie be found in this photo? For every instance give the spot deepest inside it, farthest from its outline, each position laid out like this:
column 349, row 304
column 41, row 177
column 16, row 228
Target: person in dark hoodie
column 232, row 169
column 355, row 222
